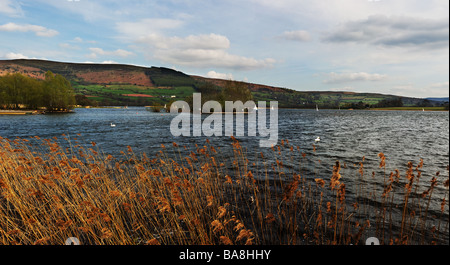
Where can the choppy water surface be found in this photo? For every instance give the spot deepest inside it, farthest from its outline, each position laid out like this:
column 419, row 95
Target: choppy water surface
column 347, row 136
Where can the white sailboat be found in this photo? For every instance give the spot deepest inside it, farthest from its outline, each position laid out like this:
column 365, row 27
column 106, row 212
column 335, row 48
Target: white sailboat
column 317, row 107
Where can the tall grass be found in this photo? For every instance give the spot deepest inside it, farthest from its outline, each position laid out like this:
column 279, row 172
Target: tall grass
column 204, row 196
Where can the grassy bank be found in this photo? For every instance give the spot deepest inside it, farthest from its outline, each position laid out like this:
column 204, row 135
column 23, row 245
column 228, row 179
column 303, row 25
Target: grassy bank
column 196, row 195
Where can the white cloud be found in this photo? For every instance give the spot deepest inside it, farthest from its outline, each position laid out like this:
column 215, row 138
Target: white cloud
column 12, row 56
column 38, row 30
column 214, row 74
column 104, row 62
column 393, row 31
column 109, row 62
column 205, row 50
column 68, row 46
column 197, row 50
column 440, row 85
column 158, row 38
column 211, row 58
column 332, row 11
column 10, row 8
column 206, row 42
column 298, row 35
column 334, row 78
column 89, row 10
column 80, row 40
column 146, row 27
column 424, row 91
column 439, row 89
column 100, row 52
column 343, row 89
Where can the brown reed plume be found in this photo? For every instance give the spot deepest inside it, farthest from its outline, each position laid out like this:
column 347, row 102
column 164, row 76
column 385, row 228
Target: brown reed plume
column 204, row 195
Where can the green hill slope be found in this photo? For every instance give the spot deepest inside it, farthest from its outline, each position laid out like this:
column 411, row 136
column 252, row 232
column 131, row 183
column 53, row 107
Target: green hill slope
column 118, row 84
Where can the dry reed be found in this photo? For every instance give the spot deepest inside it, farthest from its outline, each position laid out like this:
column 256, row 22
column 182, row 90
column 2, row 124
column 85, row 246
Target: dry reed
column 49, row 193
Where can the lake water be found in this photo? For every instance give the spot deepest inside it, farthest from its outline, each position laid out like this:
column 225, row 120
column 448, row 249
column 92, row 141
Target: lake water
column 347, row 136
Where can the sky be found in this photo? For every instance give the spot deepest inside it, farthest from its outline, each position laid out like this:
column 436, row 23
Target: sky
column 398, row 47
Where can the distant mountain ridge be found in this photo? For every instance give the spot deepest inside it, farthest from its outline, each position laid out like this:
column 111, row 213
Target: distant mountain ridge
column 121, row 84
column 443, row 99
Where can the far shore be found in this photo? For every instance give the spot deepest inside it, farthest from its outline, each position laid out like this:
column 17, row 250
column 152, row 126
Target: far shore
column 412, row 108
column 30, row 112
column 20, row 112
column 40, row 111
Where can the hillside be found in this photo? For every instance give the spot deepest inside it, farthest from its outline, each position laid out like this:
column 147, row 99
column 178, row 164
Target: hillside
column 445, row 99
column 118, row 84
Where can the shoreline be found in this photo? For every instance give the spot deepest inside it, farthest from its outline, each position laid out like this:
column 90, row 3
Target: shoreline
column 32, row 112
column 19, row 112
column 41, row 112
column 407, row 109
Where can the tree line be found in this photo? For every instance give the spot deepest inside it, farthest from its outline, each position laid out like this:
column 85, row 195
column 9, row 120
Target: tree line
column 232, row 91
column 18, row 91
column 396, row 102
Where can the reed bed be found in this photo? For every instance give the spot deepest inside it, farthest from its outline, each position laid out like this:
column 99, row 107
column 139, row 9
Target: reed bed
column 204, row 196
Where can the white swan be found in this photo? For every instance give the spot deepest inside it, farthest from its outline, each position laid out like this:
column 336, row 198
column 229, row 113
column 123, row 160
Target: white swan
column 113, row 125
column 317, row 139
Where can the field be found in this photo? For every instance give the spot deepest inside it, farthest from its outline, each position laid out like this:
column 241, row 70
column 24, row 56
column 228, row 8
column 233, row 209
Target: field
column 53, row 189
column 117, row 94
column 333, row 100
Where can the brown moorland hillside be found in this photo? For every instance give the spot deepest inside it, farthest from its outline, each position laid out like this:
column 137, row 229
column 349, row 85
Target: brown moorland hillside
column 109, row 83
